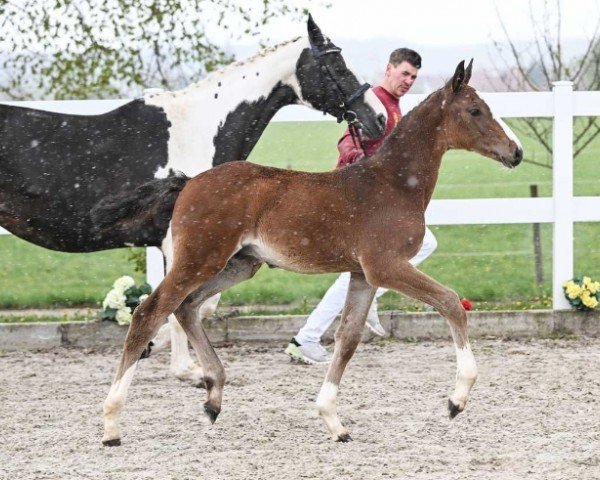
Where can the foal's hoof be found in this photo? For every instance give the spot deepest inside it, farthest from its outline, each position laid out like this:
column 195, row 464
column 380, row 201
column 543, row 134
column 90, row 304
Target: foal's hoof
column 211, row 412
column 453, row 409
column 115, row 442
column 147, row 350
column 344, row 438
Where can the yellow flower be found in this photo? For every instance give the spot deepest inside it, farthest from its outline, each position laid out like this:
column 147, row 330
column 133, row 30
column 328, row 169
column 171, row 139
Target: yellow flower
column 593, row 287
column 589, row 301
column 586, row 281
column 573, row 290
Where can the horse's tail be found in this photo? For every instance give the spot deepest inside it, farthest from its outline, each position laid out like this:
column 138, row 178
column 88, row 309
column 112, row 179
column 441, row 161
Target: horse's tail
column 150, row 203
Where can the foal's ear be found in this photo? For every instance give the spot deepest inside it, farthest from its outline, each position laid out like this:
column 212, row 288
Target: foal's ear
column 468, row 72
column 459, row 77
column 315, row 35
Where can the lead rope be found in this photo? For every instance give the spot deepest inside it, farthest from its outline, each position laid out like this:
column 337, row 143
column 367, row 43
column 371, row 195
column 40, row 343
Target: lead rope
column 357, row 138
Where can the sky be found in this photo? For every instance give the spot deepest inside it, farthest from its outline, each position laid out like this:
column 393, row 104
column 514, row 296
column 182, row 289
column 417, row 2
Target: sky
column 440, row 22
column 443, row 31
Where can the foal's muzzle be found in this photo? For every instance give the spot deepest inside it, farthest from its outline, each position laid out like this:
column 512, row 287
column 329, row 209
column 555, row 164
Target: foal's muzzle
column 518, row 156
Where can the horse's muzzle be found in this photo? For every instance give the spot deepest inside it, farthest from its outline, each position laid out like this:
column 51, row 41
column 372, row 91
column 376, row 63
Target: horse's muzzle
column 518, row 156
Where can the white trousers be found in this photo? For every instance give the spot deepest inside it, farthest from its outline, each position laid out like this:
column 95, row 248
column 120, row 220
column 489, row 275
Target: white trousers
column 334, row 299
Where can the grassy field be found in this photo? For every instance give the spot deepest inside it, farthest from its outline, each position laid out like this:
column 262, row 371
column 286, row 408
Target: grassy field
column 492, row 265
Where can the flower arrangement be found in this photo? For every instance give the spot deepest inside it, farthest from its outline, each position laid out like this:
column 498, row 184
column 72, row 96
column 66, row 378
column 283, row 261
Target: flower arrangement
column 582, row 293
column 121, row 301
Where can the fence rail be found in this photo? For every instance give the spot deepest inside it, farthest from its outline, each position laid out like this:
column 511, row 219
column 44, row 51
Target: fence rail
column 562, row 209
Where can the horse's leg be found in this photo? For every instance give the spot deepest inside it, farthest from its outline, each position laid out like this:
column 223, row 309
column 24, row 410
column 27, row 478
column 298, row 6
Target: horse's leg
column 182, row 366
column 194, row 267
column 238, row 269
column 404, row 278
column 348, row 335
column 144, row 325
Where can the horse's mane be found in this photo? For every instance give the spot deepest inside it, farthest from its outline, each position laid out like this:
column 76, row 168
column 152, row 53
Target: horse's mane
column 234, row 65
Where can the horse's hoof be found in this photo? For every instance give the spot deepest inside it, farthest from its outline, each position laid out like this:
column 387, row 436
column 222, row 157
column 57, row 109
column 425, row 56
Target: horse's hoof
column 211, row 413
column 453, row 409
column 344, row 438
column 115, row 442
column 147, row 350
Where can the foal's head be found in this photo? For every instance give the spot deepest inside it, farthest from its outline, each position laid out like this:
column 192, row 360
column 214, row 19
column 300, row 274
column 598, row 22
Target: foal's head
column 327, row 84
column 469, row 124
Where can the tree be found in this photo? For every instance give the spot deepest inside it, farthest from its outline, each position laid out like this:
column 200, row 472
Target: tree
column 536, row 64
column 81, row 49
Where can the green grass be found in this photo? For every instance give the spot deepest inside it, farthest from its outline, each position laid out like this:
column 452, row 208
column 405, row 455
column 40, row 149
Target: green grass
column 32, row 276
column 492, row 264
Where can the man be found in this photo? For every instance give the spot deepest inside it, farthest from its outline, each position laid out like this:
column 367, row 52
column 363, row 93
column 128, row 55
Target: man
column 400, row 75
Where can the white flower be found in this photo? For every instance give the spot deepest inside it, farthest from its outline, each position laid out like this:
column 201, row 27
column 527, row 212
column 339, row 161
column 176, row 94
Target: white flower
column 143, row 297
column 123, row 283
column 114, row 299
column 123, row 316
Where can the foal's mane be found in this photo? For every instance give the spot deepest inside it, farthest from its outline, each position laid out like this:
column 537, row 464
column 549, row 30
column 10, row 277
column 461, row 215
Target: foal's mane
column 405, row 123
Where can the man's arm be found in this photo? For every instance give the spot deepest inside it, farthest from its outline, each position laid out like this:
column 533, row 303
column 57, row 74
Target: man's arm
column 349, row 151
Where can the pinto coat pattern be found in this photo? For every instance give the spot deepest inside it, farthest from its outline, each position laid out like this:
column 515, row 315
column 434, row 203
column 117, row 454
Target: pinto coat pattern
column 55, row 167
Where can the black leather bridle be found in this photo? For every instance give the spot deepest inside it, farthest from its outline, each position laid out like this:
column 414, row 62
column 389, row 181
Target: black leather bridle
column 344, row 104
column 345, row 113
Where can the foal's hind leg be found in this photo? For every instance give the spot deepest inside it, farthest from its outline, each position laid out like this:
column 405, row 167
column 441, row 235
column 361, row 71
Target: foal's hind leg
column 348, row 335
column 238, row 269
column 404, row 278
column 182, row 366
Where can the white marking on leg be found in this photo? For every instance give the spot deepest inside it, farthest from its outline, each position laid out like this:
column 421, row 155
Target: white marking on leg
column 466, row 374
column 182, row 365
column 326, row 404
column 114, row 404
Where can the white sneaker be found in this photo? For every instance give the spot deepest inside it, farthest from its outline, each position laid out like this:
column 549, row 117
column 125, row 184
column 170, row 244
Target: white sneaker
column 374, row 324
column 311, row 353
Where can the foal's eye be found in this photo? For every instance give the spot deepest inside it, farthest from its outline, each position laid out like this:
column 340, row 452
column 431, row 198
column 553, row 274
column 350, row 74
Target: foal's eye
column 475, row 112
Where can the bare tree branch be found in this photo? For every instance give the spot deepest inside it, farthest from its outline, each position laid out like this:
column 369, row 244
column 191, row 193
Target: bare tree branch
column 536, row 65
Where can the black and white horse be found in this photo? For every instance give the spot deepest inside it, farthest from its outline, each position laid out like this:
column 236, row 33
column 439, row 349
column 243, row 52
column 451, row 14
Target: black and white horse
column 55, row 167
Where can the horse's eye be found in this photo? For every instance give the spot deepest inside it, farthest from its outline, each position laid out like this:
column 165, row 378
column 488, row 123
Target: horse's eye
column 475, row 112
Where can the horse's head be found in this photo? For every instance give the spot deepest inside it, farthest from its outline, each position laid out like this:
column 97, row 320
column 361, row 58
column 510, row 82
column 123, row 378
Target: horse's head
column 469, row 124
column 327, row 84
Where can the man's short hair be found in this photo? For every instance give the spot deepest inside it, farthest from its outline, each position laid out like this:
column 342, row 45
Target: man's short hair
column 405, row 55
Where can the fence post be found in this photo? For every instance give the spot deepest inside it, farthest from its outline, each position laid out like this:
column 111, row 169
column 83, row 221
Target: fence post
column 155, row 266
column 562, row 191
column 155, row 261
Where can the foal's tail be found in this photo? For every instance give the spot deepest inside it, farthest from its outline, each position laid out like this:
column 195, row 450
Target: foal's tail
column 150, row 203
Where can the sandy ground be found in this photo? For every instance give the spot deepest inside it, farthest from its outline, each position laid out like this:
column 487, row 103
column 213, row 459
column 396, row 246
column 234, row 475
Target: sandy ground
column 534, row 414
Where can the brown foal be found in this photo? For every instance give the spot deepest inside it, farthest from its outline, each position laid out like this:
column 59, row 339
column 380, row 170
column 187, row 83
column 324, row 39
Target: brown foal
column 367, row 218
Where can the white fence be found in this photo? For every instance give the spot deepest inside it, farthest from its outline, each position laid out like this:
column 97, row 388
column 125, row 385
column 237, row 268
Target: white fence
column 562, row 209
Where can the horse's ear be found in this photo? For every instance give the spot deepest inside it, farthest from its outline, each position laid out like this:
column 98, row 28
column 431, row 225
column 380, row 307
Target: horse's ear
column 315, row 35
column 459, row 77
column 468, row 72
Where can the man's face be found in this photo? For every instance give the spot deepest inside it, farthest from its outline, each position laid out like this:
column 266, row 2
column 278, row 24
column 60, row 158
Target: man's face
column 400, row 78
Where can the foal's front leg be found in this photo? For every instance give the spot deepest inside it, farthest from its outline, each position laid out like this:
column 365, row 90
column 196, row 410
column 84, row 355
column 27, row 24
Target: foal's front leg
column 405, row 278
column 144, row 325
column 347, row 337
